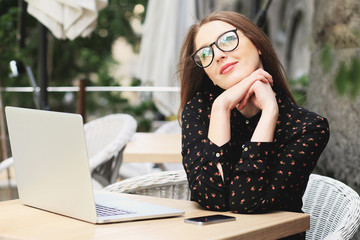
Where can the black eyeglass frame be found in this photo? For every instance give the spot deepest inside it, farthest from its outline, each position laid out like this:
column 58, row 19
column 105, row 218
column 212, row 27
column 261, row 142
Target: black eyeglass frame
column 216, row 44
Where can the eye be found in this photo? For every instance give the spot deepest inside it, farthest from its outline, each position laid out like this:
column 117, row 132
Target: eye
column 204, row 53
column 228, row 39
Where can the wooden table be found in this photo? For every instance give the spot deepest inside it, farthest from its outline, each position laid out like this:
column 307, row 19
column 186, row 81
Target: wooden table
column 153, row 147
column 21, row 222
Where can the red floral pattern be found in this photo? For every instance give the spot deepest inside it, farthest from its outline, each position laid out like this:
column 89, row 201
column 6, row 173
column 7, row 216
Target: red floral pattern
column 258, row 176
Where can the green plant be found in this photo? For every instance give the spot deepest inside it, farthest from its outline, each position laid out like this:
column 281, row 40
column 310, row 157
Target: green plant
column 347, row 79
column 145, row 113
column 298, row 88
column 326, row 58
column 88, row 58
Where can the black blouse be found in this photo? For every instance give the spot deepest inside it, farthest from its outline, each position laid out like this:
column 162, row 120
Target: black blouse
column 258, row 176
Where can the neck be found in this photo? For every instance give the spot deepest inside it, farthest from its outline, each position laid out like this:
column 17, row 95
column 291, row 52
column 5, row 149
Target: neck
column 249, row 110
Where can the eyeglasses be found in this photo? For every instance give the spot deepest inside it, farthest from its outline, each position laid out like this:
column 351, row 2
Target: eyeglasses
column 226, row 42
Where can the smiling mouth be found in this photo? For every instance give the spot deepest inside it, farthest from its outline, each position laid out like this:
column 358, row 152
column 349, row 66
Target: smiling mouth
column 227, row 67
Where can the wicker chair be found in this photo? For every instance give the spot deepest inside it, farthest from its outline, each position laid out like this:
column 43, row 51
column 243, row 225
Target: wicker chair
column 106, row 138
column 334, row 208
column 5, row 164
column 166, row 184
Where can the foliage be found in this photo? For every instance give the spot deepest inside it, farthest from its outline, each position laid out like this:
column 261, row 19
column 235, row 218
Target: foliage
column 143, row 113
column 89, row 53
column 347, row 79
column 93, row 55
column 10, row 50
column 70, row 60
column 299, row 88
column 326, row 57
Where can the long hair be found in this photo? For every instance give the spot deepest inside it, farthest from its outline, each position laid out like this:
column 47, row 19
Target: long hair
column 194, row 79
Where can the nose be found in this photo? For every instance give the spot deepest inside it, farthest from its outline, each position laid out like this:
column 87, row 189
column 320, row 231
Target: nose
column 218, row 54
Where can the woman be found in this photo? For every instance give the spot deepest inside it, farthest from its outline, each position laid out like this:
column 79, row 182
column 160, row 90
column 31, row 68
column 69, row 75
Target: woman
column 246, row 145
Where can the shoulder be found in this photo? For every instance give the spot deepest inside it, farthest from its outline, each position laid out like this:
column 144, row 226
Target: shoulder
column 199, row 104
column 291, row 114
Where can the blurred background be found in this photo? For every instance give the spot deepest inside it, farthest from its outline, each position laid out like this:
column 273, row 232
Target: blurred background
column 120, row 56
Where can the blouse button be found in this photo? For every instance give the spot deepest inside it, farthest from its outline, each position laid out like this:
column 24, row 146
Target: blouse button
column 217, row 154
column 247, row 122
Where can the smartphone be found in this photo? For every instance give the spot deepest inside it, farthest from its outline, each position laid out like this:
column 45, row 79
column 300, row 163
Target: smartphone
column 204, row 220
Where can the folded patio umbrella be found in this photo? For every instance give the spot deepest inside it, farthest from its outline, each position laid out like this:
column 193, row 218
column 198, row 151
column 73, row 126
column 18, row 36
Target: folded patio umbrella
column 165, row 26
column 67, row 19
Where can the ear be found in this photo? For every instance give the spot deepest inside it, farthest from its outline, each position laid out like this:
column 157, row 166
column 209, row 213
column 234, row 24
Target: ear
column 259, row 52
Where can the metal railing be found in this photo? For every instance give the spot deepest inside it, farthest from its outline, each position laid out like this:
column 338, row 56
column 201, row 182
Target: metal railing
column 82, row 89
column 94, row 89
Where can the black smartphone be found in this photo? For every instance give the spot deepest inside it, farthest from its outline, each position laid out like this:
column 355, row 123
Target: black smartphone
column 204, row 220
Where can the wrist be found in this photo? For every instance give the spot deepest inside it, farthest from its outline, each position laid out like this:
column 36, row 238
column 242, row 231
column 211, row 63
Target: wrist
column 220, row 105
column 219, row 119
column 265, row 129
column 271, row 111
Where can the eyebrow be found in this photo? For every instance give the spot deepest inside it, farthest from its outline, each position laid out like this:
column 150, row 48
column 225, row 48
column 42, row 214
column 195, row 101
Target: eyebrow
column 206, row 45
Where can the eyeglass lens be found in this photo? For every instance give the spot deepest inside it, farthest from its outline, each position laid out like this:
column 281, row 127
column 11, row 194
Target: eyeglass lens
column 226, row 43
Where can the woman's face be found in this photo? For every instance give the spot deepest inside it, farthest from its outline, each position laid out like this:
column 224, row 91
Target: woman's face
column 228, row 68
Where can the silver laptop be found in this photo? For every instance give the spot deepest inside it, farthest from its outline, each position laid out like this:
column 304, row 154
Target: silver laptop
column 52, row 170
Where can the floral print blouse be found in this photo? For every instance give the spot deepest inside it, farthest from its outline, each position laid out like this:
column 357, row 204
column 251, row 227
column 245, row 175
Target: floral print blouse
column 258, row 176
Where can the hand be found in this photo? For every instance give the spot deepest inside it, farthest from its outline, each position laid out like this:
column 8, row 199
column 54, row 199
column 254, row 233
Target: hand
column 261, row 95
column 226, row 101
column 235, row 94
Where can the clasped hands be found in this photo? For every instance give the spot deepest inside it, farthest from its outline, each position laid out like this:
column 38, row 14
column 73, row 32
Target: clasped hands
column 256, row 88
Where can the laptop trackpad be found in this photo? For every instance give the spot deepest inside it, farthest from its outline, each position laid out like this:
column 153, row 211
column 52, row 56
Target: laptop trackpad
column 135, row 207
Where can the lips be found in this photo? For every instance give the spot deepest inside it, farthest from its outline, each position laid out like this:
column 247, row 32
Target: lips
column 227, row 67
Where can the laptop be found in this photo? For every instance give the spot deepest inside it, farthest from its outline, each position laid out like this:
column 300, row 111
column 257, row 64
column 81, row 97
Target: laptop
column 53, row 174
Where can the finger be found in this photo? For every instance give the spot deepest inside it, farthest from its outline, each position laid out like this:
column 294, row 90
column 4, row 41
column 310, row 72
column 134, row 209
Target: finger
column 265, row 74
column 256, row 77
column 245, row 100
column 262, row 79
column 268, row 78
column 241, row 105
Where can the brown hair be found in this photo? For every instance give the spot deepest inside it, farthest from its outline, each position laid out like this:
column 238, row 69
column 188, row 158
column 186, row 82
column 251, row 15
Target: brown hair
column 194, row 78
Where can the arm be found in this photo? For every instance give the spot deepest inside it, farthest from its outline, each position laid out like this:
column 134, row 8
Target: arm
column 205, row 143
column 200, row 155
column 276, row 174
column 262, row 96
column 223, row 104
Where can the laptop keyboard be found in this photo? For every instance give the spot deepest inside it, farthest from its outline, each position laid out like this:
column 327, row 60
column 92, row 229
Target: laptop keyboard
column 103, row 211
